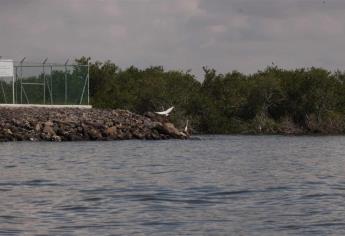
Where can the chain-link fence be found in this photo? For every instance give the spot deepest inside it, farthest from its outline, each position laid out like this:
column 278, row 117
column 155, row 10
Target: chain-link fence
column 46, row 83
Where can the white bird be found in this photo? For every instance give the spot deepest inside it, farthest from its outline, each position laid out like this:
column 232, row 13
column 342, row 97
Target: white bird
column 186, row 128
column 165, row 113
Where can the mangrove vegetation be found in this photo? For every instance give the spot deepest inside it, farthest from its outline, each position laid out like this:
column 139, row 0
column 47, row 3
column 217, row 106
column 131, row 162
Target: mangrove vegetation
column 271, row 101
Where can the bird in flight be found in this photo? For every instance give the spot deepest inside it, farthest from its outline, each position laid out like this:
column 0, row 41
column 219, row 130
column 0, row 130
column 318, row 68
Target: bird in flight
column 166, row 112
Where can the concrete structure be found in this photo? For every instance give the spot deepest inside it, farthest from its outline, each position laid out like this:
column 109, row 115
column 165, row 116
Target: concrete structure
column 45, row 106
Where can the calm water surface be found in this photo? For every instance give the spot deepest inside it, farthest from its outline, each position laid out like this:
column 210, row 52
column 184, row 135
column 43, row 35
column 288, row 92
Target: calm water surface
column 218, row 185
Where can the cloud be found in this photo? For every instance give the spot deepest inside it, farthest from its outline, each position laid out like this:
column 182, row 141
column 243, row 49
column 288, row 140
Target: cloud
column 246, row 35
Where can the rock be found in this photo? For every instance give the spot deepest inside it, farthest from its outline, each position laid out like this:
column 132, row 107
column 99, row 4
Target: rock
column 8, row 131
column 38, row 127
column 73, row 137
column 66, row 124
column 56, row 138
column 94, row 134
column 49, row 124
column 170, row 130
column 154, row 125
column 112, row 132
column 138, row 135
column 48, row 129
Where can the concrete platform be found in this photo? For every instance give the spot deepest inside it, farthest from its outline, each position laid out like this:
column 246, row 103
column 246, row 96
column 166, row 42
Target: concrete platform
column 44, row 106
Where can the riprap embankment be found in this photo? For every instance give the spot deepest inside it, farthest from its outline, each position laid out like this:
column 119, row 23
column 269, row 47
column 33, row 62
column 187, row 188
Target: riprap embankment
column 71, row 124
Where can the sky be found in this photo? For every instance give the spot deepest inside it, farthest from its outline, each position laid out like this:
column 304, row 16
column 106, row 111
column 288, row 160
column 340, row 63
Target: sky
column 243, row 35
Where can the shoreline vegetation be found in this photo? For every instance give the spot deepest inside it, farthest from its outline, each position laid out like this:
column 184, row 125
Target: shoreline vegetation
column 273, row 101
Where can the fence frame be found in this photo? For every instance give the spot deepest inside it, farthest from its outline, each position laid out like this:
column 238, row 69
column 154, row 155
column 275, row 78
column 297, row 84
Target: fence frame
column 46, row 71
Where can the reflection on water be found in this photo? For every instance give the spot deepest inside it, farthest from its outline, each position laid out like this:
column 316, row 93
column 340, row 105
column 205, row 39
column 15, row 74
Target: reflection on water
column 218, row 185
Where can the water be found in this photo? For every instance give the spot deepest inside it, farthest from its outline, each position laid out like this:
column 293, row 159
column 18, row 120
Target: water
column 218, row 185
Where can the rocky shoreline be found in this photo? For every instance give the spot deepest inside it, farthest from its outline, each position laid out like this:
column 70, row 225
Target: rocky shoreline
column 72, row 124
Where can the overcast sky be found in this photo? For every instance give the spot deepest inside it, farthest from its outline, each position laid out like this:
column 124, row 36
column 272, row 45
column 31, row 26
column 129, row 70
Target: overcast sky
column 244, row 35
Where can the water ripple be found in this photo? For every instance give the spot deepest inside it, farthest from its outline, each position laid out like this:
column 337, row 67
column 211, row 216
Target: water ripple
column 213, row 185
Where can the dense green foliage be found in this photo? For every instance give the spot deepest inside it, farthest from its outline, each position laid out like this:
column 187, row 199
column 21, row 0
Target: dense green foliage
column 274, row 100
column 271, row 101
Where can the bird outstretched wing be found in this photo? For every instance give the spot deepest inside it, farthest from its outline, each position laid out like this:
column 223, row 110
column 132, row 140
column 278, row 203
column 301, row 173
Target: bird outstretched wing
column 165, row 113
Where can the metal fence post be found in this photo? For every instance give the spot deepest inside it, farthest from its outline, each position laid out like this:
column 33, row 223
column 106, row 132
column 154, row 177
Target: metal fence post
column 44, row 80
column 66, row 88
column 21, row 80
column 51, row 84
column 88, row 83
column 13, row 84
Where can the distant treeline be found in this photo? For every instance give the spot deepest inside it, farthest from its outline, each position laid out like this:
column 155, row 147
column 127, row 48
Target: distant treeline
column 271, row 101
column 275, row 100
